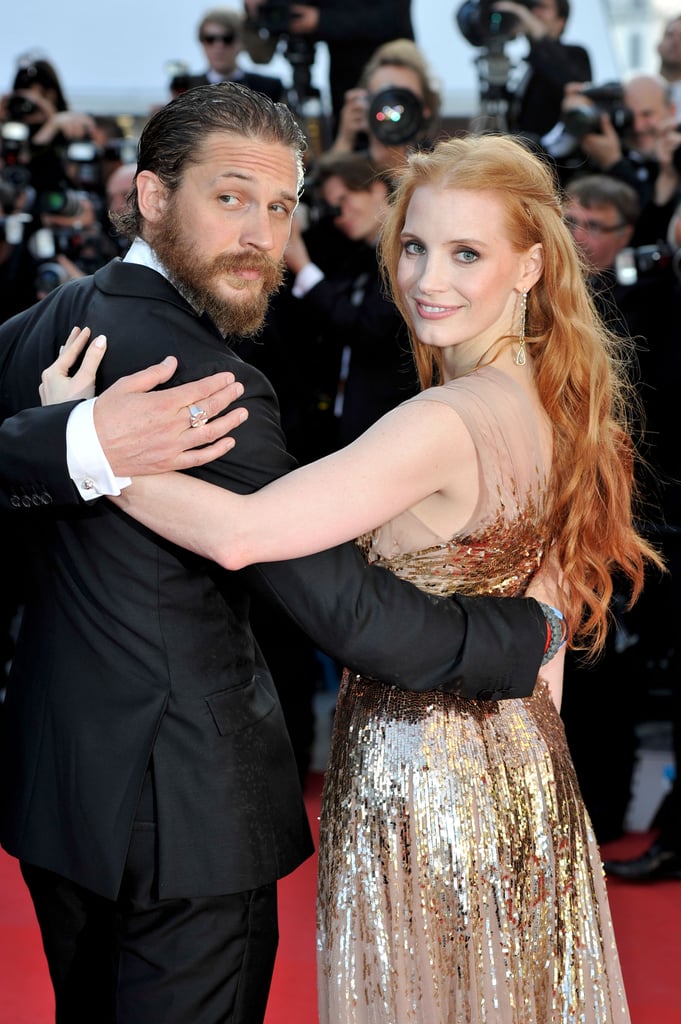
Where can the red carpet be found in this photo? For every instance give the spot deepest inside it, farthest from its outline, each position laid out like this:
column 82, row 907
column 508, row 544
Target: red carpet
column 647, row 923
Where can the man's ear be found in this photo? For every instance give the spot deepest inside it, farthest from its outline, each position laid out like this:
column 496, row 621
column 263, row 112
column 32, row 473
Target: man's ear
column 152, row 196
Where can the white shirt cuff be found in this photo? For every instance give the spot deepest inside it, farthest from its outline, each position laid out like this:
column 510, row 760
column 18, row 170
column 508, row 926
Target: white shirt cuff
column 306, row 279
column 88, row 465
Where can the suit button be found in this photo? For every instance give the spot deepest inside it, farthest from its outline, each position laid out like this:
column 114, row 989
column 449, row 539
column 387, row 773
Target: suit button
column 15, row 501
column 45, row 499
column 36, row 499
column 26, row 501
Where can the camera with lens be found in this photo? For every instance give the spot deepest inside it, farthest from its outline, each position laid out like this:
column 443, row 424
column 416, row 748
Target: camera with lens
column 13, row 217
column 14, row 137
column 87, row 249
column 61, row 203
column 395, row 116
column 481, row 25
column 643, row 262
column 271, row 21
column 605, row 99
column 83, row 164
column 272, row 17
column 20, row 108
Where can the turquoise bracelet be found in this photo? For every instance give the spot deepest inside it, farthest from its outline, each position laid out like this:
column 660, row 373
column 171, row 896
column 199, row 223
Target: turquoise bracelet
column 556, row 621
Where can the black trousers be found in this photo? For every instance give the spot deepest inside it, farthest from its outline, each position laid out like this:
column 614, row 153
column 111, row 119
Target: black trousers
column 142, row 960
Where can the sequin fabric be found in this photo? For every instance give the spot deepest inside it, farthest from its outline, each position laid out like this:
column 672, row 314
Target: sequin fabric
column 459, row 877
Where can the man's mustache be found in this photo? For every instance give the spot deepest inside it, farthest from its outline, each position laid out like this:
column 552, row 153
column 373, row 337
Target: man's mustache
column 271, row 270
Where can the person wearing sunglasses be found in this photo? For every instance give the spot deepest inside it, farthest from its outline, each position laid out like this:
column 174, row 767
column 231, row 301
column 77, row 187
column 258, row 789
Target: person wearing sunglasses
column 221, row 34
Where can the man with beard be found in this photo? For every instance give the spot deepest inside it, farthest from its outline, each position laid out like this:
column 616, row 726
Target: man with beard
column 151, row 792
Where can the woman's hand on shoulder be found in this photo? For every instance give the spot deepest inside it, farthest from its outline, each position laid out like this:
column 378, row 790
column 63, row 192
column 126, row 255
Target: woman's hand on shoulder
column 57, row 384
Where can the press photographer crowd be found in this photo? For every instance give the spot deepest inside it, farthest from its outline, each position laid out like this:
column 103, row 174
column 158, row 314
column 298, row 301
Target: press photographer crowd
column 333, row 344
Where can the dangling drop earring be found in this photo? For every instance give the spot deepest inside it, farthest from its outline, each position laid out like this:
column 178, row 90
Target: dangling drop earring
column 521, row 357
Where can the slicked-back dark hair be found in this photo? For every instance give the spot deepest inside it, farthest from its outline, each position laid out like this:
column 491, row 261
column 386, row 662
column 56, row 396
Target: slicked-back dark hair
column 172, row 139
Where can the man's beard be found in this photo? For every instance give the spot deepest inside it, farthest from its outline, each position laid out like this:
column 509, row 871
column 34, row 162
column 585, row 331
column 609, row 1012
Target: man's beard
column 196, row 278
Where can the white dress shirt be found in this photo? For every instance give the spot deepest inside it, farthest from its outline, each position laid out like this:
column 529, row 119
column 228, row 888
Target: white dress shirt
column 88, row 465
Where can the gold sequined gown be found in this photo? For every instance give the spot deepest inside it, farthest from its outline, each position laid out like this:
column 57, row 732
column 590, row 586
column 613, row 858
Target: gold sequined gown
column 459, row 876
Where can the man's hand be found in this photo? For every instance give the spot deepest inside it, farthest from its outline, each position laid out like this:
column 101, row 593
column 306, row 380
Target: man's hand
column 146, row 433
column 304, row 19
column 151, row 433
column 296, row 254
column 604, row 148
column 528, row 24
column 352, row 120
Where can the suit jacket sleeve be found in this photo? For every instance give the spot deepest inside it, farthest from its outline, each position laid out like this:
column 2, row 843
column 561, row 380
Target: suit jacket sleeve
column 33, row 469
column 379, row 625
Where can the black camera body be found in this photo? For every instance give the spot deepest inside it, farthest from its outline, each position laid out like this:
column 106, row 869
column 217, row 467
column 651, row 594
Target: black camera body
column 481, row 25
column 606, row 99
column 61, row 202
column 395, row 116
column 272, row 20
column 88, row 249
column 21, row 108
column 14, row 136
column 633, row 264
column 272, row 17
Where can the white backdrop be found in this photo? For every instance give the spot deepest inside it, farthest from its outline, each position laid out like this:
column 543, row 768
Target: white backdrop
column 112, row 59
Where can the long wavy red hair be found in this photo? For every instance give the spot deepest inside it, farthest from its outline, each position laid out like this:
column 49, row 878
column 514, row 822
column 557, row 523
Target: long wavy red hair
column 580, row 369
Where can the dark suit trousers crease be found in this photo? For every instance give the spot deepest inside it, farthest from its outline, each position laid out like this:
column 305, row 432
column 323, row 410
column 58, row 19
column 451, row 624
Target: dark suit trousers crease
column 141, row 960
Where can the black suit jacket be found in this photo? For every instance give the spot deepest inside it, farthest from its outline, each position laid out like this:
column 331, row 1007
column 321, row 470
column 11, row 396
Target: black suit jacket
column 267, row 84
column 553, row 64
column 133, row 650
column 349, row 308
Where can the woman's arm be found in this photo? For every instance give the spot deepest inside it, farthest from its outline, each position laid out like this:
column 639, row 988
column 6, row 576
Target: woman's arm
column 416, row 451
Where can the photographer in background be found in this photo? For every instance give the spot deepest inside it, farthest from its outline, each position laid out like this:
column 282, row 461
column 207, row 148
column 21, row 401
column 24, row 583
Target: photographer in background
column 54, row 159
column 533, row 103
column 37, row 101
column 17, row 267
column 351, row 29
column 358, row 324
column 635, row 140
column 395, row 107
column 221, row 34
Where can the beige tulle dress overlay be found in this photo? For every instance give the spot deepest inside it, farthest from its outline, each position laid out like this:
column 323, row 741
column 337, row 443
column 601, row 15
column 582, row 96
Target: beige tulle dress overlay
column 459, row 876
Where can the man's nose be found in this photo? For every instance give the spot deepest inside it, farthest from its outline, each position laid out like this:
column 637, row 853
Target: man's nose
column 257, row 230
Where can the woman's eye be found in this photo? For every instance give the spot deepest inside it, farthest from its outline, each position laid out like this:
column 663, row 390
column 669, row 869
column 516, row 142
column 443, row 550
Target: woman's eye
column 413, row 248
column 467, row 255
